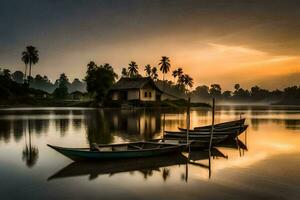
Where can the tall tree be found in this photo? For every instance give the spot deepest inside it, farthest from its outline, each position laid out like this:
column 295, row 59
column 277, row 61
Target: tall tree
column 91, row 65
column 177, row 73
column 18, row 76
column 188, row 81
column 33, row 58
column 124, row 72
column 108, row 67
column 148, row 70
column 61, row 92
column 181, row 80
column 237, row 87
column 164, row 65
column 215, row 90
column 202, row 91
column 174, row 74
column 99, row 80
column 25, row 59
column 154, row 74
column 132, row 69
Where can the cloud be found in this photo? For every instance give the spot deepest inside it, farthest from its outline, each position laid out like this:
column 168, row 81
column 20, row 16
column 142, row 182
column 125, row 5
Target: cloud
column 214, row 41
column 237, row 49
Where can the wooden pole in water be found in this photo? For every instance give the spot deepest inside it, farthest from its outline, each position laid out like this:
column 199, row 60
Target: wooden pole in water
column 188, row 121
column 164, row 124
column 212, row 124
column 209, row 164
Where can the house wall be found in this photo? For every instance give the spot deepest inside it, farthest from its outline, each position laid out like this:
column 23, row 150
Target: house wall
column 148, row 98
column 115, row 96
column 133, row 94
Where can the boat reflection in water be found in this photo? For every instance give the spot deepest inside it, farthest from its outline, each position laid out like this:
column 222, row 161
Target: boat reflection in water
column 93, row 169
column 144, row 165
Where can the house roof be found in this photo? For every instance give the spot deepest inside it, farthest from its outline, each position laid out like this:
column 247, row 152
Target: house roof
column 77, row 93
column 133, row 83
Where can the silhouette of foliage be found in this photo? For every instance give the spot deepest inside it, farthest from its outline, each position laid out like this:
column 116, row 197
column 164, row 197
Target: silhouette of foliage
column 61, row 92
column 124, row 72
column 148, row 70
column 99, row 79
column 164, row 65
column 30, row 56
column 18, row 76
column 154, row 74
column 132, row 69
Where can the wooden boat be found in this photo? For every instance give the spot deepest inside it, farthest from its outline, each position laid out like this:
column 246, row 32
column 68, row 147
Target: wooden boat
column 241, row 128
column 223, row 125
column 204, row 137
column 231, row 134
column 117, row 151
column 94, row 168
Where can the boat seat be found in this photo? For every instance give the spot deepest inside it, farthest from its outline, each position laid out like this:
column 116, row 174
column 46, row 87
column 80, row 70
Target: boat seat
column 105, row 149
column 134, row 146
column 120, row 148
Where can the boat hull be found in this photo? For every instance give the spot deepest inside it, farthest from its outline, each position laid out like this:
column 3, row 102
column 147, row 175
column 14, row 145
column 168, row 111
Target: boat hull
column 239, row 122
column 84, row 154
column 193, row 136
column 241, row 128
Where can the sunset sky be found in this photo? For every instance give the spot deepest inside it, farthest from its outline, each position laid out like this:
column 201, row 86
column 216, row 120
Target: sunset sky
column 223, row 41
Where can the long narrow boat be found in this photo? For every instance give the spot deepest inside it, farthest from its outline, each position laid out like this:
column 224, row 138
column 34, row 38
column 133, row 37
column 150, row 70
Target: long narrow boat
column 231, row 134
column 241, row 128
column 223, row 125
column 118, row 151
column 206, row 137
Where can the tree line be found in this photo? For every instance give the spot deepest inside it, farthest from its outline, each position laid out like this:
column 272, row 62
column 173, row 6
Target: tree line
column 256, row 94
column 42, row 82
column 182, row 83
column 99, row 79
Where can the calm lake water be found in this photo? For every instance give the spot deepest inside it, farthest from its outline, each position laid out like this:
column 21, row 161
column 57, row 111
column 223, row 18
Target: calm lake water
column 268, row 169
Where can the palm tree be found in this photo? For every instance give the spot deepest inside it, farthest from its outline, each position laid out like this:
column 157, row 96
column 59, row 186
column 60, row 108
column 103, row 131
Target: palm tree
column 179, row 72
column 132, row 69
column 188, row 81
column 148, row 70
column 181, row 80
column 175, row 74
column 25, row 59
column 154, row 74
column 124, row 72
column 164, row 65
column 33, row 57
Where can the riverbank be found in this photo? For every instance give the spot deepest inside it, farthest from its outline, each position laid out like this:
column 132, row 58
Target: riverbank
column 176, row 104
